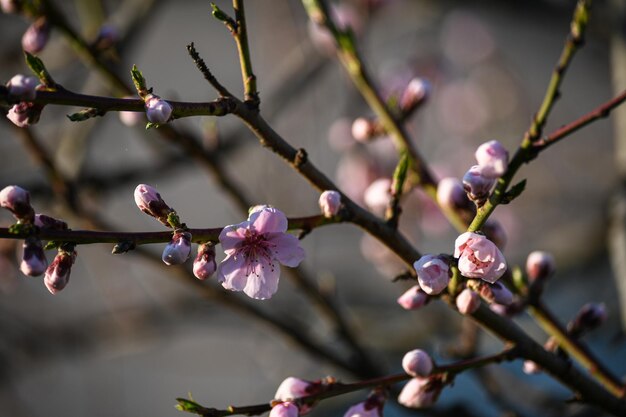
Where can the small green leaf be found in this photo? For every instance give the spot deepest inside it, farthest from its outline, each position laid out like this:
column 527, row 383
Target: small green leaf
column 514, row 192
column 151, row 125
column 85, row 115
column 37, row 66
column 139, row 81
column 52, row 245
column 189, row 406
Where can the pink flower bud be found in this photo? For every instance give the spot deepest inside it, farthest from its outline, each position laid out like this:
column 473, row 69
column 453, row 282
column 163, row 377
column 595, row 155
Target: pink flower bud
column 17, row 201
column 531, row 367
column 49, row 223
column 362, row 129
column 413, row 298
column 467, row 301
column 25, row 113
column 364, row 409
column 588, row 318
column 150, row 202
column 378, row 195
column 293, row 388
column 540, row 265
column 157, row 110
column 416, row 91
column 58, row 273
column 285, row 409
column 36, row 36
column 493, row 157
column 204, row 265
column 479, row 257
column 34, row 262
column 417, row 363
column 10, row 6
column 501, row 294
column 419, row 393
column 433, row 274
column 177, row 251
column 329, row 202
column 23, row 87
column 450, row 193
column 477, row 184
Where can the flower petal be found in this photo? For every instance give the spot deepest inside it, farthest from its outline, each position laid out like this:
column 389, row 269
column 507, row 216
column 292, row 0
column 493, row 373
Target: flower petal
column 263, row 281
column 231, row 272
column 231, row 237
column 286, row 249
column 268, row 220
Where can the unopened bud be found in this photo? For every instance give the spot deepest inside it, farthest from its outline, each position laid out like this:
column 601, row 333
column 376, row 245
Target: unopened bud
column 417, row 363
column 204, row 265
column 17, row 201
column 450, row 193
column 501, row 294
column 467, row 301
column 177, row 251
column 365, row 409
column 150, row 202
column 415, row 93
column 413, row 298
column 362, row 129
column 493, row 157
column 285, row 409
column 420, row 393
column 36, row 36
column 477, row 185
column 49, row 223
column 433, row 274
column 158, row 110
column 540, row 265
column 25, row 113
column 10, row 6
column 589, row 317
column 293, row 388
column 23, row 87
column 531, row 367
column 58, row 273
column 330, row 202
column 34, row 262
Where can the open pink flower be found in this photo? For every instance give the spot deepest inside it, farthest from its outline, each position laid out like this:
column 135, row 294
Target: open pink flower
column 479, row 257
column 253, row 250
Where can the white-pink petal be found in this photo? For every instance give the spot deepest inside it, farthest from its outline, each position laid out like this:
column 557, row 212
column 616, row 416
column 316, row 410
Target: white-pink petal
column 268, row 220
column 287, row 249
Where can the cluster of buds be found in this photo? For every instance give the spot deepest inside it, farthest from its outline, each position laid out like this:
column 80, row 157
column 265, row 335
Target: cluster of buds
column 493, row 161
column 149, row 201
column 292, row 389
column 25, row 112
column 424, row 388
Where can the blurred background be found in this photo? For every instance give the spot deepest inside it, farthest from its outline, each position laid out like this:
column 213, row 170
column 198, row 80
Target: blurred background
column 129, row 334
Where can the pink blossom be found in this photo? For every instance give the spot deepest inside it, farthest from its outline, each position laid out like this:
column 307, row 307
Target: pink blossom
column 493, row 157
column 364, row 409
column 157, row 110
column 58, row 273
column 477, row 184
column 433, row 274
column 413, row 298
column 36, row 36
column 417, row 363
column 467, row 301
column 24, row 113
column 419, row 393
column 177, row 251
column 34, row 262
column 285, row 409
column 254, row 248
column 17, row 201
column 479, row 257
column 540, row 265
column 330, row 202
column 204, row 265
column 23, row 87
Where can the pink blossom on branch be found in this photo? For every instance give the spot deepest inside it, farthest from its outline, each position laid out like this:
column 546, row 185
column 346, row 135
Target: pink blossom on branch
column 417, row 363
column 254, row 248
column 413, row 298
column 285, row 409
column 433, row 274
column 479, row 257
